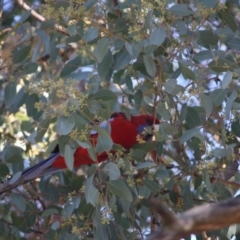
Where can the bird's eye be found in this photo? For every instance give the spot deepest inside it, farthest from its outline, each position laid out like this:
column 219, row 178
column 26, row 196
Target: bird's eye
column 114, row 115
column 149, row 121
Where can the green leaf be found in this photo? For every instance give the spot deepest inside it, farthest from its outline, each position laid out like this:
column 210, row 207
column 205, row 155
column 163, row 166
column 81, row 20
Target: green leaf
column 15, row 177
column 69, row 156
column 119, row 188
column 204, row 55
column 188, row 134
column 122, row 60
column 162, row 173
column 113, row 171
column 45, row 39
column 42, row 129
column 172, row 87
column 144, row 191
column 173, row 197
column 91, row 34
column 222, row 152
column 104, row 142
column 49, row 212
column 102, row 231
column 105, row 65
column 207, row 104
column 30, row 105
column 55, row 225
column 68, row 209
column 91, row 193
column 30, row 68
column 10, row 93
column 145, row 165
column 20, row 55
column 198, row 182
column 65, row 124
column 80, row 122
column 101, row 49
column 89, row 4
column 138, row 99
column 104, row 95
column 157, row 36
column 187, row 73
column 51, row 193
column 180, row 10
column 4, row 170
column 218, row 96
column 152, row 185
column 25, row 15
column 235, row 127
column 129, row 83
column 187, row 196
column 167, row 129
column 47, row 24
column 229, row 20
column 13, row 154
column 206, row 179
column 220, row 65
column 71, row 66
column 227, row 79
column 92, row 153
column 19, row 99
column 129, row 48
column 72, row 29
column 234, row 43
column 138, row 154
column 208, row 3
column 208, row 38
column 162, row 111
column 146, row 146
column 150, row 65
column 18, row 201
column 192, row 118
column 229, row 104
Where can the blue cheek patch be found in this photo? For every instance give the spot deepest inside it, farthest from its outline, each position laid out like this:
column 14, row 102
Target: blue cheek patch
column 141, row 128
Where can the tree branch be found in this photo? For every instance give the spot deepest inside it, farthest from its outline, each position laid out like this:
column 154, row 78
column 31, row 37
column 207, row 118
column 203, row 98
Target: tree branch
column 206, row 217
column 40, row 18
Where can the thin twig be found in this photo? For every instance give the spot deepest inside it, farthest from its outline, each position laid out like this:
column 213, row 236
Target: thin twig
column 40, row 18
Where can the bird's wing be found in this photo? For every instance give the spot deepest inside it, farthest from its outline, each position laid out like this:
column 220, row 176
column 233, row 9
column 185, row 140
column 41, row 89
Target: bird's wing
column 38, row 170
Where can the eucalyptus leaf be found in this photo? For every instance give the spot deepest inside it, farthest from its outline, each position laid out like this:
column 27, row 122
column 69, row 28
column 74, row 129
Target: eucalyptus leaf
column 188, row 134
column 227, row 79
column 10, row 93
column 18, row 201
column 91, row 34
column 104, row 141
column 229, row 103
column 68, row 156
column 218, row 96
column 113, row 171
column 21, row 54
column 119, row 188
column 65, row 124
column 150, row 65
column 180, row 10
column 101, row 49
column 157, row 36
column 207, row 104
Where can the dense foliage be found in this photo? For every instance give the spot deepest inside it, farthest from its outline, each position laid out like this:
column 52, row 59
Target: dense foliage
column 77, row 62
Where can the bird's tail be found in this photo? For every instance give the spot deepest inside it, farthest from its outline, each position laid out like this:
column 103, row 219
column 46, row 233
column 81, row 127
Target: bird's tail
column 42, row 168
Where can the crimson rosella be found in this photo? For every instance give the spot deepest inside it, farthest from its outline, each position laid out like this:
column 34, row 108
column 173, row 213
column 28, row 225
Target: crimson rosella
column 124, row 132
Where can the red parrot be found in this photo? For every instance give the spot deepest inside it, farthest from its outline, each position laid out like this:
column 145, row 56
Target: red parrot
column 123, row 132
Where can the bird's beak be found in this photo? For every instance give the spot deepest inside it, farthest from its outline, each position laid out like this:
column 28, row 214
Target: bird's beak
column 156, row 127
